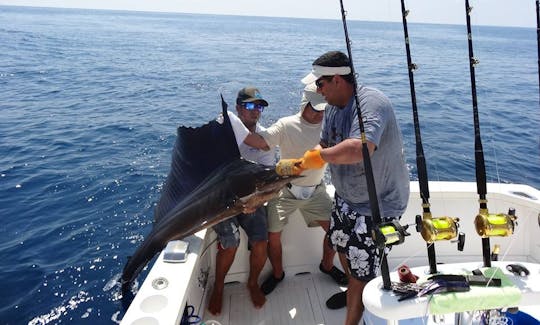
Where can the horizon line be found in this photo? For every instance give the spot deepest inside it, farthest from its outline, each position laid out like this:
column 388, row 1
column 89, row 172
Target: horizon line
column 251, row 15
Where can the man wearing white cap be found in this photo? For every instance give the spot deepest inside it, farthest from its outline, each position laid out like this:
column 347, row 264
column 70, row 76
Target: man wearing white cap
column 341, row 149
column 294, row 135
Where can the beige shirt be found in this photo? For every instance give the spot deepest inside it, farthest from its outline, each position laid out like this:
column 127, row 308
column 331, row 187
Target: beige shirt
column 295, row 136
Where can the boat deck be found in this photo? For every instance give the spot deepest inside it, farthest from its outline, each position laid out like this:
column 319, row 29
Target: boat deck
column 299, row 299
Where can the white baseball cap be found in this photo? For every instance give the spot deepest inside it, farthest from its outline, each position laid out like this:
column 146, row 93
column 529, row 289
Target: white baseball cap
column 311, row 96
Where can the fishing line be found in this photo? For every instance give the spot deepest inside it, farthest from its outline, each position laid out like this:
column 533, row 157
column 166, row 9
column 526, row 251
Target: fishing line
column 486, row 224
column 372, row 192
column 491, row 128
column 538, row 41
column 432, row 229
column 481, row 185
column 208, row 246
column 525, row 225
column 408, row 258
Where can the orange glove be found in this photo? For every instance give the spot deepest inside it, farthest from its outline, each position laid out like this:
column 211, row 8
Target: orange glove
column 312, row 160
column 289, row 167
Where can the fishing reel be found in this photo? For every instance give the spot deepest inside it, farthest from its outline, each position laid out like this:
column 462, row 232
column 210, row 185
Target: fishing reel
column 390, row 233
column 441, row 228
column 495, row 225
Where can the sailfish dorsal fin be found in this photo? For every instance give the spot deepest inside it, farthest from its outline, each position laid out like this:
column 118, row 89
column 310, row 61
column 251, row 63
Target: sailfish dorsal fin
column 197, row 153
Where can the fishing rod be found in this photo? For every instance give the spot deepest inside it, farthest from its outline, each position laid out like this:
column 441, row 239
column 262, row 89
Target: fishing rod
column 388, row 233
column 538, row 40
column 487, row 225
column 432, row 229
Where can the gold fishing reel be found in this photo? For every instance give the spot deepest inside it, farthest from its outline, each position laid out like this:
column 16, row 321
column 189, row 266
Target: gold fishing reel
column 441, row 228
column 390, row 233
column 495, row 225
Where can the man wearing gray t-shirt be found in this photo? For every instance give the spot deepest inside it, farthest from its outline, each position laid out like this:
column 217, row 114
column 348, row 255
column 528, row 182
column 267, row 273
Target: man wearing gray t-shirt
column 341, row 148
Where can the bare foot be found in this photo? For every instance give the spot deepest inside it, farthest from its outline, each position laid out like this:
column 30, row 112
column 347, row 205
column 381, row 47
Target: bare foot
column 257, row 296
column 216, row 300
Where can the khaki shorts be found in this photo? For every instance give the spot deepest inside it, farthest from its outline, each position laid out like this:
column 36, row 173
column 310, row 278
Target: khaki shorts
column 317, row 208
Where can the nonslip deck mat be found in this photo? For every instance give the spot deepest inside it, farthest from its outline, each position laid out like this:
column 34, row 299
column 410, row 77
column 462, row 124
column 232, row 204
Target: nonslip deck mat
column 297, row 300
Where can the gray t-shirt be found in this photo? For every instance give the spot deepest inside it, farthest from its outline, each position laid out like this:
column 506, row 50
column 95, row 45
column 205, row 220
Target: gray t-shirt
column 388, row 160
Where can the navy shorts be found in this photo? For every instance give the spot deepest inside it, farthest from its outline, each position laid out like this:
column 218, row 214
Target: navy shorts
column 351, row 234
column 254, row 225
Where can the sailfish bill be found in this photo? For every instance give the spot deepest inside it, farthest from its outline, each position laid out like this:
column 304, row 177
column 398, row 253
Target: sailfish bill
column 208, row 182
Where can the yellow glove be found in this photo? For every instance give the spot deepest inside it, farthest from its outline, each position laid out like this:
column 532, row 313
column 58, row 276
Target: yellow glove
column 312, row 160
column 289, row 167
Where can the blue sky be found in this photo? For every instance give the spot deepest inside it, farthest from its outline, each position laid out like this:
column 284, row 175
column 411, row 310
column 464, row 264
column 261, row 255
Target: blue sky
column 486, row 12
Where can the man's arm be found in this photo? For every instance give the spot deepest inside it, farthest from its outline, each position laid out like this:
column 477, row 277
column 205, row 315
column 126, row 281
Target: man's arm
column 242, row 134
column 346, row 152
column 255, row 140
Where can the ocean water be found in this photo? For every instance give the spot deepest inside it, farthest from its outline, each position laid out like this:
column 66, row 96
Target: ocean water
column 90, row 102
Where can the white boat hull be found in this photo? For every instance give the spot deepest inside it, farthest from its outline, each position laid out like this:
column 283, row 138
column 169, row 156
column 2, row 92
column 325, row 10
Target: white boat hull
column 188, row 283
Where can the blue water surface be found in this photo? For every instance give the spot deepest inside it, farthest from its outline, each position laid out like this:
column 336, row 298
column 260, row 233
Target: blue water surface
column 90, row 101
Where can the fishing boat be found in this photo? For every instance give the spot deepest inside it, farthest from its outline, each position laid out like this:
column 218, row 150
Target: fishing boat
column 173, row 288
column 465, row 242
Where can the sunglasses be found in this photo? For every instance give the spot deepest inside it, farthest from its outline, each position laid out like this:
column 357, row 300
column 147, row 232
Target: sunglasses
column 252, row 106
column 319, row 82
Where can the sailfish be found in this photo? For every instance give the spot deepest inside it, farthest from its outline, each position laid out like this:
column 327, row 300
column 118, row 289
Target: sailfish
column 208, row 182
